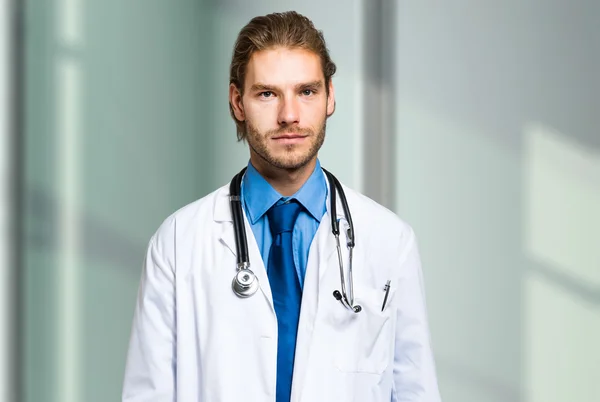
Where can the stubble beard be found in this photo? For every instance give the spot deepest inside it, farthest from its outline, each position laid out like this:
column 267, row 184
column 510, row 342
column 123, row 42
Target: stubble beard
column 289, row 161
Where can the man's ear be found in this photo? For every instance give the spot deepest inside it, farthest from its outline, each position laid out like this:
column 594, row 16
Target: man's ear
column 235, row 100
column 331, row 99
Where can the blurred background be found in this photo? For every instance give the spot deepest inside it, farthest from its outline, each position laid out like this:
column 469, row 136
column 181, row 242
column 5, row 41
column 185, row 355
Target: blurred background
column 478, row 122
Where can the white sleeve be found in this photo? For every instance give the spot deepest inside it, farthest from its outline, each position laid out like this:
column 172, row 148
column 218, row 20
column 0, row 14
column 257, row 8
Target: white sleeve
column 415, row 378
column 151, row 360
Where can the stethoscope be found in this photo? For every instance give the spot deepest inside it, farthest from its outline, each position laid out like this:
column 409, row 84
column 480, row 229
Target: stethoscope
column 245, row 282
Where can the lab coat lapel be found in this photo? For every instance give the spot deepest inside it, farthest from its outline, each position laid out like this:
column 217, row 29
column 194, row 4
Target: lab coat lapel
column 321, row 257
column 222, row 215
column 310, row 303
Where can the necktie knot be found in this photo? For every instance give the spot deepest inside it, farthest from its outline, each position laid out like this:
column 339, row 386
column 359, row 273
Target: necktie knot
column 282, row 217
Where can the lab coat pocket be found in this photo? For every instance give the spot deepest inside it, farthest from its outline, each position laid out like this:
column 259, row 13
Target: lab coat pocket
column 366, row 338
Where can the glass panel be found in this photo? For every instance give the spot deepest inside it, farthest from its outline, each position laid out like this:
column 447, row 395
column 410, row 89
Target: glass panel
column 116, row 117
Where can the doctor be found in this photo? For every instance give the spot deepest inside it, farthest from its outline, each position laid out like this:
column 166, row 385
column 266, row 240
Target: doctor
column 282, row 335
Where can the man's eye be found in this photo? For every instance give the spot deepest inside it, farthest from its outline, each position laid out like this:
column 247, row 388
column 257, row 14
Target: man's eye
column 307, row 92
column 266, row 94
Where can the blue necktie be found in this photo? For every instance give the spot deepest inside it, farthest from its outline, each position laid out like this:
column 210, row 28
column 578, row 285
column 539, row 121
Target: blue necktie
column 286, row 291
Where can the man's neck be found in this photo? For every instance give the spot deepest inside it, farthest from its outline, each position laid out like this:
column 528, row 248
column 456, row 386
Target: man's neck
column 286, row 182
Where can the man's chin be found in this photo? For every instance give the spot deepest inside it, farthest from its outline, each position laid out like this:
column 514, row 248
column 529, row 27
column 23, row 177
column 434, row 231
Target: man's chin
column 290, row 162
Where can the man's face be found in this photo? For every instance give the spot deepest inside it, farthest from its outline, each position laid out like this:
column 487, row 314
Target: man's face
column 284, row 107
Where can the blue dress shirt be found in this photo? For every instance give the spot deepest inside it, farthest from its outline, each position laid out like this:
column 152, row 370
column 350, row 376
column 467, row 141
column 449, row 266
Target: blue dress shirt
column 258, row 196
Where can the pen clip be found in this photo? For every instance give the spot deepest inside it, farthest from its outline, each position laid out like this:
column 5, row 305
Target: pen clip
column 387, row 292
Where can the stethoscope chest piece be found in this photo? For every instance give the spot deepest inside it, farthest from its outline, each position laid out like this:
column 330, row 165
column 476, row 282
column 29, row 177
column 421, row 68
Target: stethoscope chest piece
column 244, row 283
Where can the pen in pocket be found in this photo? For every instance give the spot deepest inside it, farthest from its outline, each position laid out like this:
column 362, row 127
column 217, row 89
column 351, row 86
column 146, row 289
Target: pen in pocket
column 387, row 292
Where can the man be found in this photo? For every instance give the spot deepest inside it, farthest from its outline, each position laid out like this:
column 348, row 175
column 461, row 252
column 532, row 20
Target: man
column 196, row 337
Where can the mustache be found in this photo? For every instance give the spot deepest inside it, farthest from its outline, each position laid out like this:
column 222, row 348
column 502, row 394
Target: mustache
column 290, row 130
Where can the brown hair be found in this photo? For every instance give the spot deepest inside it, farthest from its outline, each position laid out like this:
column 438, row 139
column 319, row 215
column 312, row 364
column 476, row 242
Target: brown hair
column 287, row 29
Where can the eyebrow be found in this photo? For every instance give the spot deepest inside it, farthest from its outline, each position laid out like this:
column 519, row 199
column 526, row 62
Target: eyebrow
column 264, row 87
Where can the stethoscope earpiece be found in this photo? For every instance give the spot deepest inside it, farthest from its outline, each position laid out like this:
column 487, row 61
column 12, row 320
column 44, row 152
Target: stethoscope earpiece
column 356, row 308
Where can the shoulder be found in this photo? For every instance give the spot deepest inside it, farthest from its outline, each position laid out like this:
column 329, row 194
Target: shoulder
column 194, row 216
column 378, row 223
column 375, row 212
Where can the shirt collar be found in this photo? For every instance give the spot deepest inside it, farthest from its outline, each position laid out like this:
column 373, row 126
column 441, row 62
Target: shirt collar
column 258, row 195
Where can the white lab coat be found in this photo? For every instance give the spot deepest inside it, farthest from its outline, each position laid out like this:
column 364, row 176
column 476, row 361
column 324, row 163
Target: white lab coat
column 194, row 340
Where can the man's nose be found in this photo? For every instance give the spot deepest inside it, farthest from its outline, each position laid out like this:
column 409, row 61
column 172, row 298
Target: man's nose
column 289, row 112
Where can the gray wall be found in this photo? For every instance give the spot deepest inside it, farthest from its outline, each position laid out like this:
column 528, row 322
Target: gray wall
column 499, row 172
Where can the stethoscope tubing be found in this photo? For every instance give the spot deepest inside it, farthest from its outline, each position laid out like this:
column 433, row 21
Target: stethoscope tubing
column 245, row 282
